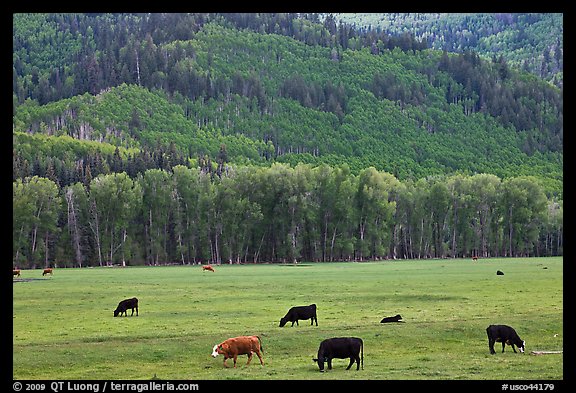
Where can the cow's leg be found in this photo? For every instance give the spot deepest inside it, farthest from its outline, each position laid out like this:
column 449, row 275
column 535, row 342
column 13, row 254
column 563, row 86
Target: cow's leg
column 235, row 358
column 350, row 364
column 514, row 349
column 225, row 358
column 329, row 363
column 491, row 346
column 357, row 360
column 249, row 358
column 503, row 344
column 260, row 357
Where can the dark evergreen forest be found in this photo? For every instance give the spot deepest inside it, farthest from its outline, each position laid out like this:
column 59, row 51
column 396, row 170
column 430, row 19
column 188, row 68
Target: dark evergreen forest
column 186, row 138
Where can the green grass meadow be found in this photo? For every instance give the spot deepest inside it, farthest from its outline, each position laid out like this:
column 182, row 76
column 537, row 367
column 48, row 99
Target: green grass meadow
column 63, row 326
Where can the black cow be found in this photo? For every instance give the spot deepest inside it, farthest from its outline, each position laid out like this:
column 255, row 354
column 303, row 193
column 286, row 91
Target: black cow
column 341, row 348
column 506, row 335
column 124, row 305
column 396, row 318
column 300, row 312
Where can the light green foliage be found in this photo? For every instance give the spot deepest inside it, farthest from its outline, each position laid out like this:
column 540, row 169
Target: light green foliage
column 36, row 205
column 283, row 214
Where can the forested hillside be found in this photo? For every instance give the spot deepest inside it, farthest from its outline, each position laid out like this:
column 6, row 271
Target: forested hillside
column 295, row 137
column 529, row 41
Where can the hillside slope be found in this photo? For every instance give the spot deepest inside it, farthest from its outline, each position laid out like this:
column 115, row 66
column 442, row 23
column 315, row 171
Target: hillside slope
column 269, row 97
column 530, row 41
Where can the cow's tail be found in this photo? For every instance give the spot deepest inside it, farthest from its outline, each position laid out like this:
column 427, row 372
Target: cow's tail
column 362, row 353
column 260, row 341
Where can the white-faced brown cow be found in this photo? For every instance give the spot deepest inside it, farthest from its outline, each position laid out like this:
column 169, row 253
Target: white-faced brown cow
column 506, row 335
column 241, row 345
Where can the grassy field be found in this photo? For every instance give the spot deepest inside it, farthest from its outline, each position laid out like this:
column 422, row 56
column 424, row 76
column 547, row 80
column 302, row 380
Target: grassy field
column 63, row 326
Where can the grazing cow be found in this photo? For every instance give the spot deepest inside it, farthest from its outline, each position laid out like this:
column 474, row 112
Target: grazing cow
column 506, row 335
column 300, row 312
column 396, row 318
column 124, row 305
column 47, row 271
column 242, row 345
column 499, row 273
column 16, row 272
column 341, row 348
column 474, row 258
column 207, row 267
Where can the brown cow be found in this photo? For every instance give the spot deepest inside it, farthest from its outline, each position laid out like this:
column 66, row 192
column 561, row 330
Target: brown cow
column 47, row 271
column 16, row 272
column 207, row 267
column 242, row 345
column 474, row 258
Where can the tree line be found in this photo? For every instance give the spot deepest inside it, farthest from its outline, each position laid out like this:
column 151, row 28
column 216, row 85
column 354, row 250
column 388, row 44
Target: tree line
column 278, row 214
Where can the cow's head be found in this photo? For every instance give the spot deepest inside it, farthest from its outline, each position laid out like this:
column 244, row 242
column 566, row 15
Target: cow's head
column 320, row 362
column 521, row 348
column 219, row 349
column 116, row 312
column 283, row 321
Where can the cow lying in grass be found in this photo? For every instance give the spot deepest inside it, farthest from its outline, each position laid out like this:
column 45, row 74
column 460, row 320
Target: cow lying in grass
column 124, row 305
column 396, row 318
